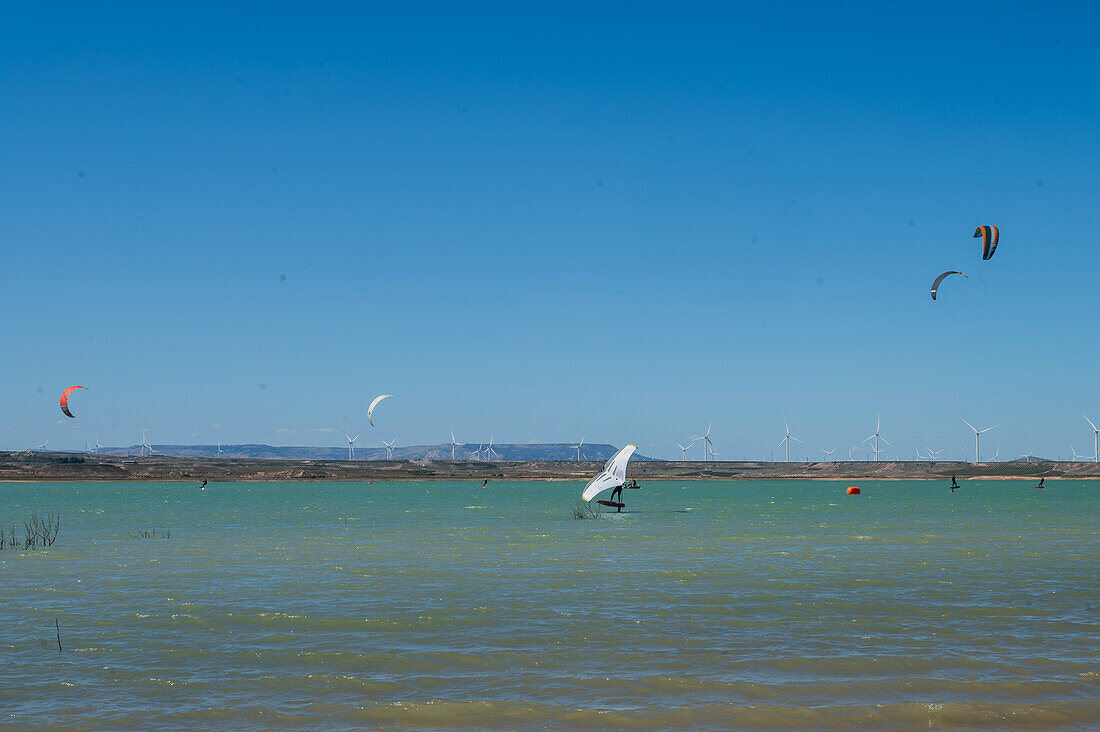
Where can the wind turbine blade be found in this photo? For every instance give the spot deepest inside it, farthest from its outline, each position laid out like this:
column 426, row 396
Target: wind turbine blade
column 969, row 425
column 869, row 438
column 885, row 440
column 794, row 438
column 781, row 443
column 1090, row 423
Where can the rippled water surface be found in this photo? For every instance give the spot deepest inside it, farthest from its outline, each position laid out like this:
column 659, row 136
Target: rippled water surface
column 708, row 605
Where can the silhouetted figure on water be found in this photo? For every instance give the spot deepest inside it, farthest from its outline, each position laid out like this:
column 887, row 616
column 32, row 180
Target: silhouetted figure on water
column 618, row 491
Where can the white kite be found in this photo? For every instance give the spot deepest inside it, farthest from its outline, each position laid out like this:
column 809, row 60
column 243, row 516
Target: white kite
column 370, row 409
column 614, row 474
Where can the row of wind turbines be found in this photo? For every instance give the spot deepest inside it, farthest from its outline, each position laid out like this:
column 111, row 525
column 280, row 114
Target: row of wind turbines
column 877, row 437
column 144, row 450
column 483, row 451
column 486, row 452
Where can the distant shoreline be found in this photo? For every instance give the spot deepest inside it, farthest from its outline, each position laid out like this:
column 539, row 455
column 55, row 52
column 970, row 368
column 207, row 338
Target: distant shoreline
column 59, row 467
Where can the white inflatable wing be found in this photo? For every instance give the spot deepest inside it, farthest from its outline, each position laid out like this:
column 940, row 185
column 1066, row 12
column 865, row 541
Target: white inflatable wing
column 614, row 473
column 598, row 485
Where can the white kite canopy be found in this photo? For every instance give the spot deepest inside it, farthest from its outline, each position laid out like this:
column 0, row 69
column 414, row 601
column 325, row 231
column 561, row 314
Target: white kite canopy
column 370, row 409
column 614, row 473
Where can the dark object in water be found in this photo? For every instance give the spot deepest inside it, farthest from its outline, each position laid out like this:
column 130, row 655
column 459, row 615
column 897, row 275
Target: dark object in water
column 612, row 504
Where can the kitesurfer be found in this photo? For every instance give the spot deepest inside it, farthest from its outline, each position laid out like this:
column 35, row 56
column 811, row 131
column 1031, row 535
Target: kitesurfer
column 633, row 484
column 954, row 484
column 484, row 482
column 617, row 491
column 1040, row 486
column 203, row 486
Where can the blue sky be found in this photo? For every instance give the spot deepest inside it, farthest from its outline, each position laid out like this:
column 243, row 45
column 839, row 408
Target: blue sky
column 239, row 223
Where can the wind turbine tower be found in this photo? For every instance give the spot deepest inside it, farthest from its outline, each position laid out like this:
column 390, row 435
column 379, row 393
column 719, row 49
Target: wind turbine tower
column 787, row 441
column 351, row 445
column 389, row 448
column 146, row 448
column 876, row 437
column 977, row 435
column 578, row 447
column 1095, row 438
column 490, row 453
column 707, row 444
column 454, row 444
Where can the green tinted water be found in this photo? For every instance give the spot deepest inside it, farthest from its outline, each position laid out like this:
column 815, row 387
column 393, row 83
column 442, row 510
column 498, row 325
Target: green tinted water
column 707, row 604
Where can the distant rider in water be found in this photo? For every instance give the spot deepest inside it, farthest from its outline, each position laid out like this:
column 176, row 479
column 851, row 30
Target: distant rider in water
column 954, row 484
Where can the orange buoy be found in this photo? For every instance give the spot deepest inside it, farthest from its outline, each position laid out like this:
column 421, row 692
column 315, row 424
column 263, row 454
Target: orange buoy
column 853, row 490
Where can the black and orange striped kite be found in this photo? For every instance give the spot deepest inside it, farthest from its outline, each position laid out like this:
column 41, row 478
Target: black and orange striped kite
column 989, row 237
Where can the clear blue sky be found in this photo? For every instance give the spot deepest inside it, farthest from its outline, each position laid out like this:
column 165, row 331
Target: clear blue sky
column 239, row 223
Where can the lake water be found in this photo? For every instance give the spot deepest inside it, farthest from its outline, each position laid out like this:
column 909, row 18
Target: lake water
column 707, row 605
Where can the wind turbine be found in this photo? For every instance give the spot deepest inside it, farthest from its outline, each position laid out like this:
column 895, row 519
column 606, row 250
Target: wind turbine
column 351, row 445
column 97, row 445
column 389, row 448
column 1026, row 456
column 876, row 437
column 490, row 453
column 476, row 454
column 1095, row 439
column 706, row 441
column 43, row 445
column 220, row 449
column 146, row 448
column 455, row 444
column 977, row 435
column 933, row 454
column 1076, row 457
column 996, row 455
column 578, row 447
column 684, row 451
column 787, row 441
